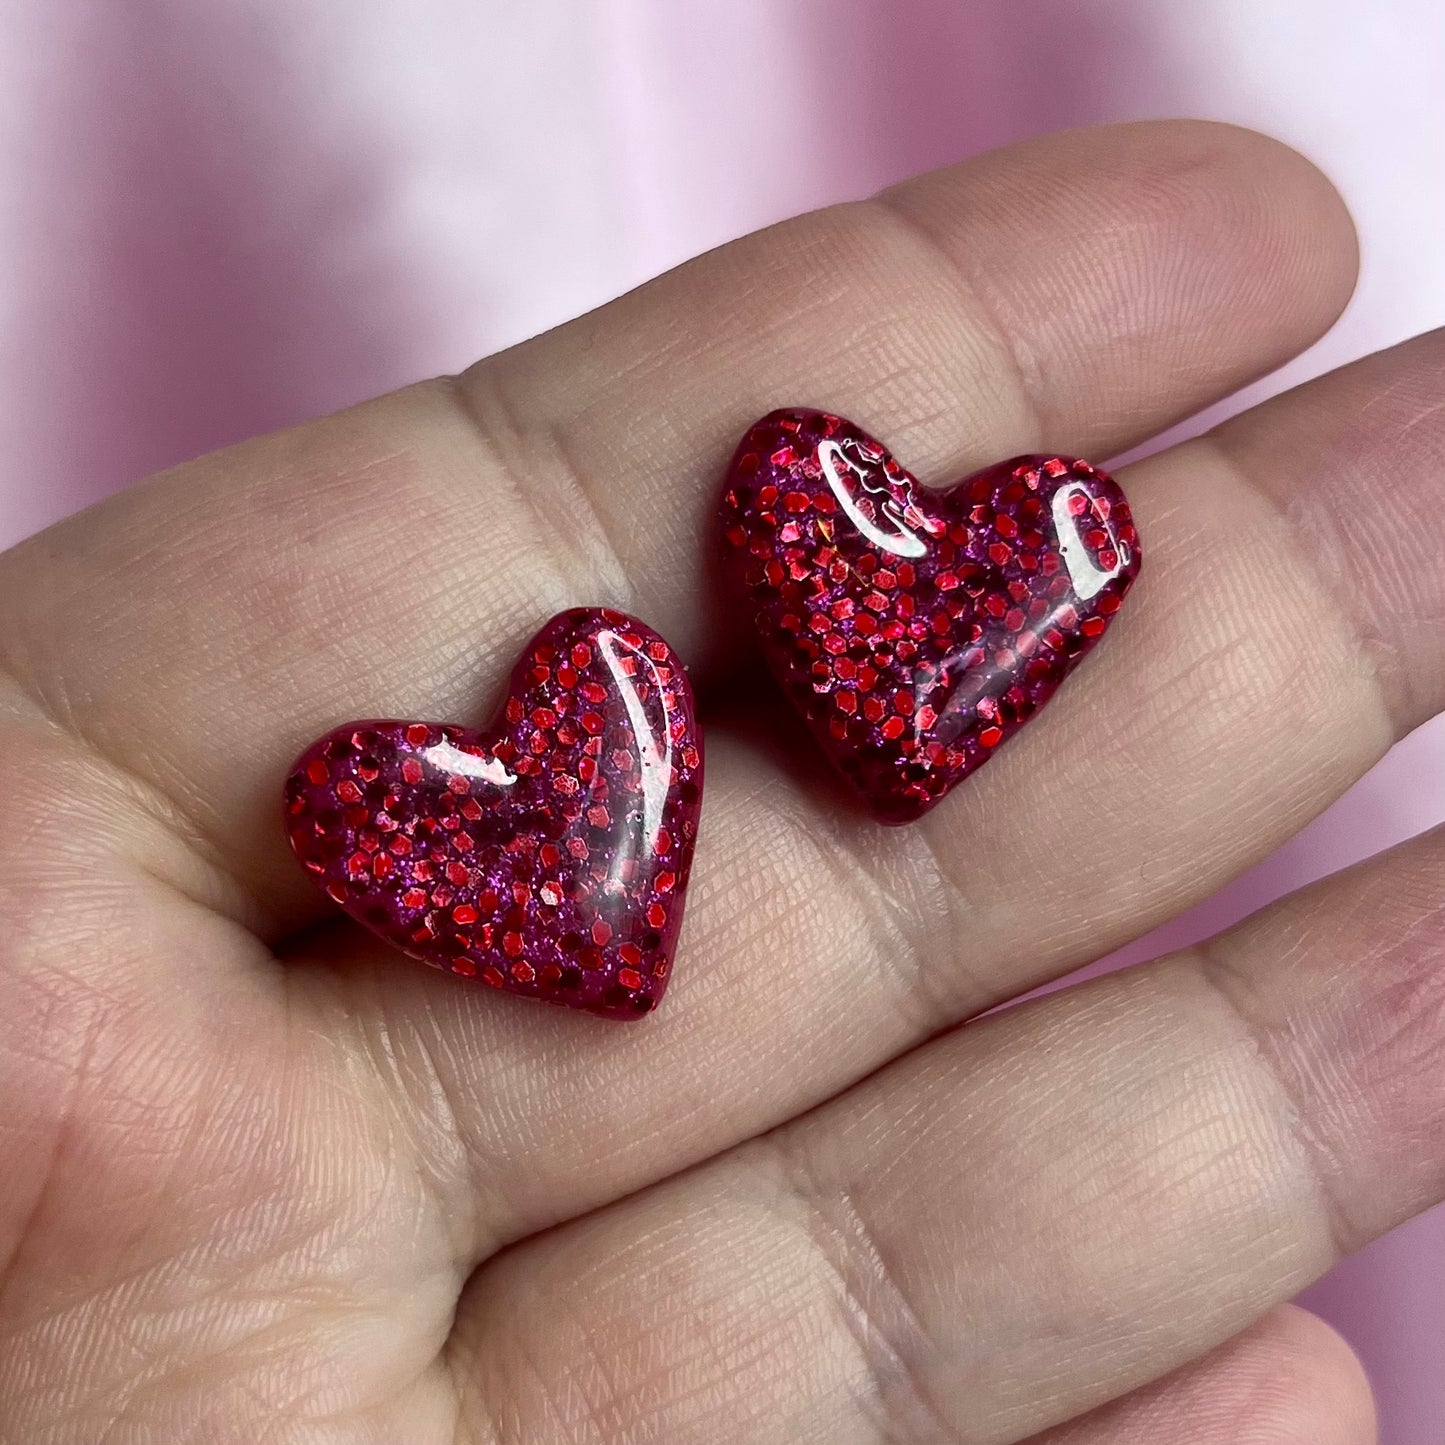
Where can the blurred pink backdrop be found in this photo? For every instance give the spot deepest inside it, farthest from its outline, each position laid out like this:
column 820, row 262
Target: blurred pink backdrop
column 224, row 217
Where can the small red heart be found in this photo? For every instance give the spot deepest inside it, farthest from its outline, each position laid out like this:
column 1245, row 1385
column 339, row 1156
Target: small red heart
column 917, row 630
column 549, row 856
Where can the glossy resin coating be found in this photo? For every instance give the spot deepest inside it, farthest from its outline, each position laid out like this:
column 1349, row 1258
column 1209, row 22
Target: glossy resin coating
column 548, row 856
column 917, row 630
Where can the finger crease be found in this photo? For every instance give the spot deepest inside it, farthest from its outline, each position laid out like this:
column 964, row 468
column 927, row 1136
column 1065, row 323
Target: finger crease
column 574, row 515
column 959, row 990
column 897, row 948
column 233, row 897
column 1226, row 981
column 890, row 1338
column 1369, row 647
column 1025, row 375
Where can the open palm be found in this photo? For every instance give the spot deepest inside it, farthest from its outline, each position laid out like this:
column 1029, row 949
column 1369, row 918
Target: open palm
column 266, row 1181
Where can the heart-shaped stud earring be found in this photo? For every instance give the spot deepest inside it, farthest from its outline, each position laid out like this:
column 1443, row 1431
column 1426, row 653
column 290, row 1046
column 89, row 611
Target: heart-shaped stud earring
column 917, row 630
column 548, row 856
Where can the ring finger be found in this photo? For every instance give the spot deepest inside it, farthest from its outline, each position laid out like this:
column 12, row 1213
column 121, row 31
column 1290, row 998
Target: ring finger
column 1021, row 1220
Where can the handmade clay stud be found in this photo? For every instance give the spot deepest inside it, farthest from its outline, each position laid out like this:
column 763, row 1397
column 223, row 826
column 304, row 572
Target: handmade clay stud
column 547, row 856
column 917, row 630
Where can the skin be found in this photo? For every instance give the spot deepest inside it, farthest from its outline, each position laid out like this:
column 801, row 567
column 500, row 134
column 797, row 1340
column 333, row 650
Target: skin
column 268, row 1183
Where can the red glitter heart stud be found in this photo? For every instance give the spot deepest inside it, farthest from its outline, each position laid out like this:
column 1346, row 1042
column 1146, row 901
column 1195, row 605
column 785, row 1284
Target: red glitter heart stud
column 548, row 857
column 917, row 630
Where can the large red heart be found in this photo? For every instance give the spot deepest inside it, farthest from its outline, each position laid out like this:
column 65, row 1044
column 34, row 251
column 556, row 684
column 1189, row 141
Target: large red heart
column 916, row 630
column 548, row 857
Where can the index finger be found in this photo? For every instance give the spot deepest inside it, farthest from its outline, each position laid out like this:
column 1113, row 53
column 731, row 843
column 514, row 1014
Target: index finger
column 1077, row 293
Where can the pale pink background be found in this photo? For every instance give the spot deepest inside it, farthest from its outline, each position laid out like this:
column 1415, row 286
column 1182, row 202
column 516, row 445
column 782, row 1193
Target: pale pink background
column 224, row 215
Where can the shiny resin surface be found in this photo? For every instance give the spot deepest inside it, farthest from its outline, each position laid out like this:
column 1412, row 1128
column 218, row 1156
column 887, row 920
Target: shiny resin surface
column 917, row 630
column 548, row 856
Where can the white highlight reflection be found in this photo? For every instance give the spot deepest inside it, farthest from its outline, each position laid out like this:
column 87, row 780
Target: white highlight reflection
column 1088, row 578
column 902, row 543
column 452, row 759
column 654, row 758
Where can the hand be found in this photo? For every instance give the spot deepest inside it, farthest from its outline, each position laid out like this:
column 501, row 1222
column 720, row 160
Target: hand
column 265, row 1180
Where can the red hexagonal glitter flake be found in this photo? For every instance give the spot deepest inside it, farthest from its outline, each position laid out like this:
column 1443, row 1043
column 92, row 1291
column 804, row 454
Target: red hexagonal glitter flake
column 556, row 870
column 917, row 630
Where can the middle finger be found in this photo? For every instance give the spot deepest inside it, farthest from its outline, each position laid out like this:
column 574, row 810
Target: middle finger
column 1235, row 699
